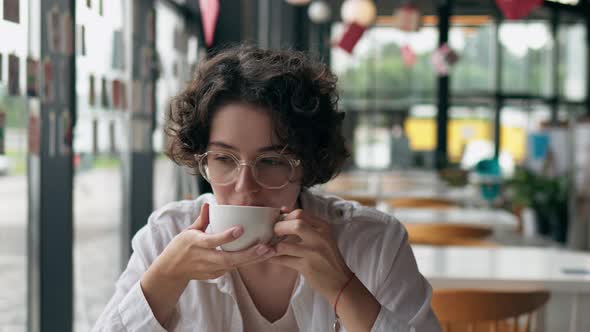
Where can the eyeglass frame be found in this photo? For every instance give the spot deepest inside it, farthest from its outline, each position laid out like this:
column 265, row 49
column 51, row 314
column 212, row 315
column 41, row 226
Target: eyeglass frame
column 294, row 163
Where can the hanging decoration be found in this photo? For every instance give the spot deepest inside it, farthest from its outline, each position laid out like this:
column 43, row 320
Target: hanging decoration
column 517, row 9
column 209, row 13
column 319, row 12
column 407, row 18
column 409, row 56
column 361, row 12
column 443, row 59
column 351, row 36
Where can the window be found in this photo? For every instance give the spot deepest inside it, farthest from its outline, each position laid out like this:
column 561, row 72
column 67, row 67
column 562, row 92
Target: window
column 98, row 142
column 13, row 171
column 177, row 64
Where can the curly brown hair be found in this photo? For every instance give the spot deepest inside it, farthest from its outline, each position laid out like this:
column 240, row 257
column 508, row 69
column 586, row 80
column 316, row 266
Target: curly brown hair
column 299, row 92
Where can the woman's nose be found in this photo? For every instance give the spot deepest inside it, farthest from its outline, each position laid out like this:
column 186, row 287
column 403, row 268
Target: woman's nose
column 245, row 181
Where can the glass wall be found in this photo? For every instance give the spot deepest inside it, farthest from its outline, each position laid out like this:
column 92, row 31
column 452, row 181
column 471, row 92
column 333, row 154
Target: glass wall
column 573, row 64
column 470, row 134
column 177, row 62
column 527, row 60
column 100, row 66
column 13, row 166
column 474, row 44
column 386, row 86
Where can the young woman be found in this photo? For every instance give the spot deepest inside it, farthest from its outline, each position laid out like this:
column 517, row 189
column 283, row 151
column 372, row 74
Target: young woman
column 263, row 127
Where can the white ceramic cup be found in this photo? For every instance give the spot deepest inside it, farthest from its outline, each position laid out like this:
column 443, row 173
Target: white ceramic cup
column 257, row 222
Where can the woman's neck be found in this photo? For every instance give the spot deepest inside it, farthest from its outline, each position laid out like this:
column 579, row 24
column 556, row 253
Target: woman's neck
column 266, row 271
column 270, row 287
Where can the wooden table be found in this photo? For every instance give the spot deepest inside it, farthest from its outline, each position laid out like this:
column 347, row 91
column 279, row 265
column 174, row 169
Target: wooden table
column 386, row 185
column 566, row 274
column 496, row 219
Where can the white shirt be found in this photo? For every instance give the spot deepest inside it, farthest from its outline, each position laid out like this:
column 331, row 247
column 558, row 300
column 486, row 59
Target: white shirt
column 373, row 244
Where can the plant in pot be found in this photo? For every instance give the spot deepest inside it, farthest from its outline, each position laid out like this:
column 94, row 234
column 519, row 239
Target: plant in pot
column 548, row 196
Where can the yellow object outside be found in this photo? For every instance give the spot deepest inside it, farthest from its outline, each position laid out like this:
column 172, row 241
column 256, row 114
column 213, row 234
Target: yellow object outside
column 422, row 136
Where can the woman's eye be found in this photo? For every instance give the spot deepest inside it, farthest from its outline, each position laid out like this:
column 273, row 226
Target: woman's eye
column 223, row 159
column 271, row 162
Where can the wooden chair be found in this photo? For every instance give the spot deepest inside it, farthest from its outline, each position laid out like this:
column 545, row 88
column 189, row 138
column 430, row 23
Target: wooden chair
column 421, row 202
column 464, row 310
column 342, row 184
column 363, row 200
column 449, row 234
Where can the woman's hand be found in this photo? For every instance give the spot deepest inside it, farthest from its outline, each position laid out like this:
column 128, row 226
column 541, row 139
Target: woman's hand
column 192, row 255
column 314, row 254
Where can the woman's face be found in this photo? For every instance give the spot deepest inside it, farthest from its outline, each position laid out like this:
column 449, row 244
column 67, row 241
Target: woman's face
column 246, row 131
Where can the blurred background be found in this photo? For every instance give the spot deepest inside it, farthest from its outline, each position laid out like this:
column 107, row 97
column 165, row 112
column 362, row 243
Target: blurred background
column 478, row 106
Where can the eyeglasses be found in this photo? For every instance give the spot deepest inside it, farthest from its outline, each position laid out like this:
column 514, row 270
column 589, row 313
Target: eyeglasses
column 270, row 170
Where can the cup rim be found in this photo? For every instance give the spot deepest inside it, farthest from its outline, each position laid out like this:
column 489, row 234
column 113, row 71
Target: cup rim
column 243, row 206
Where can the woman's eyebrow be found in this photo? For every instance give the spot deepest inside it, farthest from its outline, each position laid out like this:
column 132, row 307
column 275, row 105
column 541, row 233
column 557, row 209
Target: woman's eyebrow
column 271, row 148
column 231, row 147
column 223, row 145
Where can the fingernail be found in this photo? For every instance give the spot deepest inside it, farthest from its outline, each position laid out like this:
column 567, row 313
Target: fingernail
column 237, row 232
column 261, row 250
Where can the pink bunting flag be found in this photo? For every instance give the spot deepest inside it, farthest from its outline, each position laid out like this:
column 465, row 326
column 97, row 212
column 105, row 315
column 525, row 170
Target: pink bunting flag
column 408, row 56
column 351, row 36
column 209, row 14
column 443, row 59
column 517, row 9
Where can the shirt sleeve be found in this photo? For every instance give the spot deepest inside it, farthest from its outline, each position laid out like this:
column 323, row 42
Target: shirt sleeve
column 128, row 309
column 405, row 295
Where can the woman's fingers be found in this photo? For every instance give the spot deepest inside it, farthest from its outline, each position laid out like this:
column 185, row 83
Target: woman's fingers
column 260, row 258
column 210, row 241
column 290, row 249
column 203, row 220
column 232, row 259
column 297, row 227
column 300, row 214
